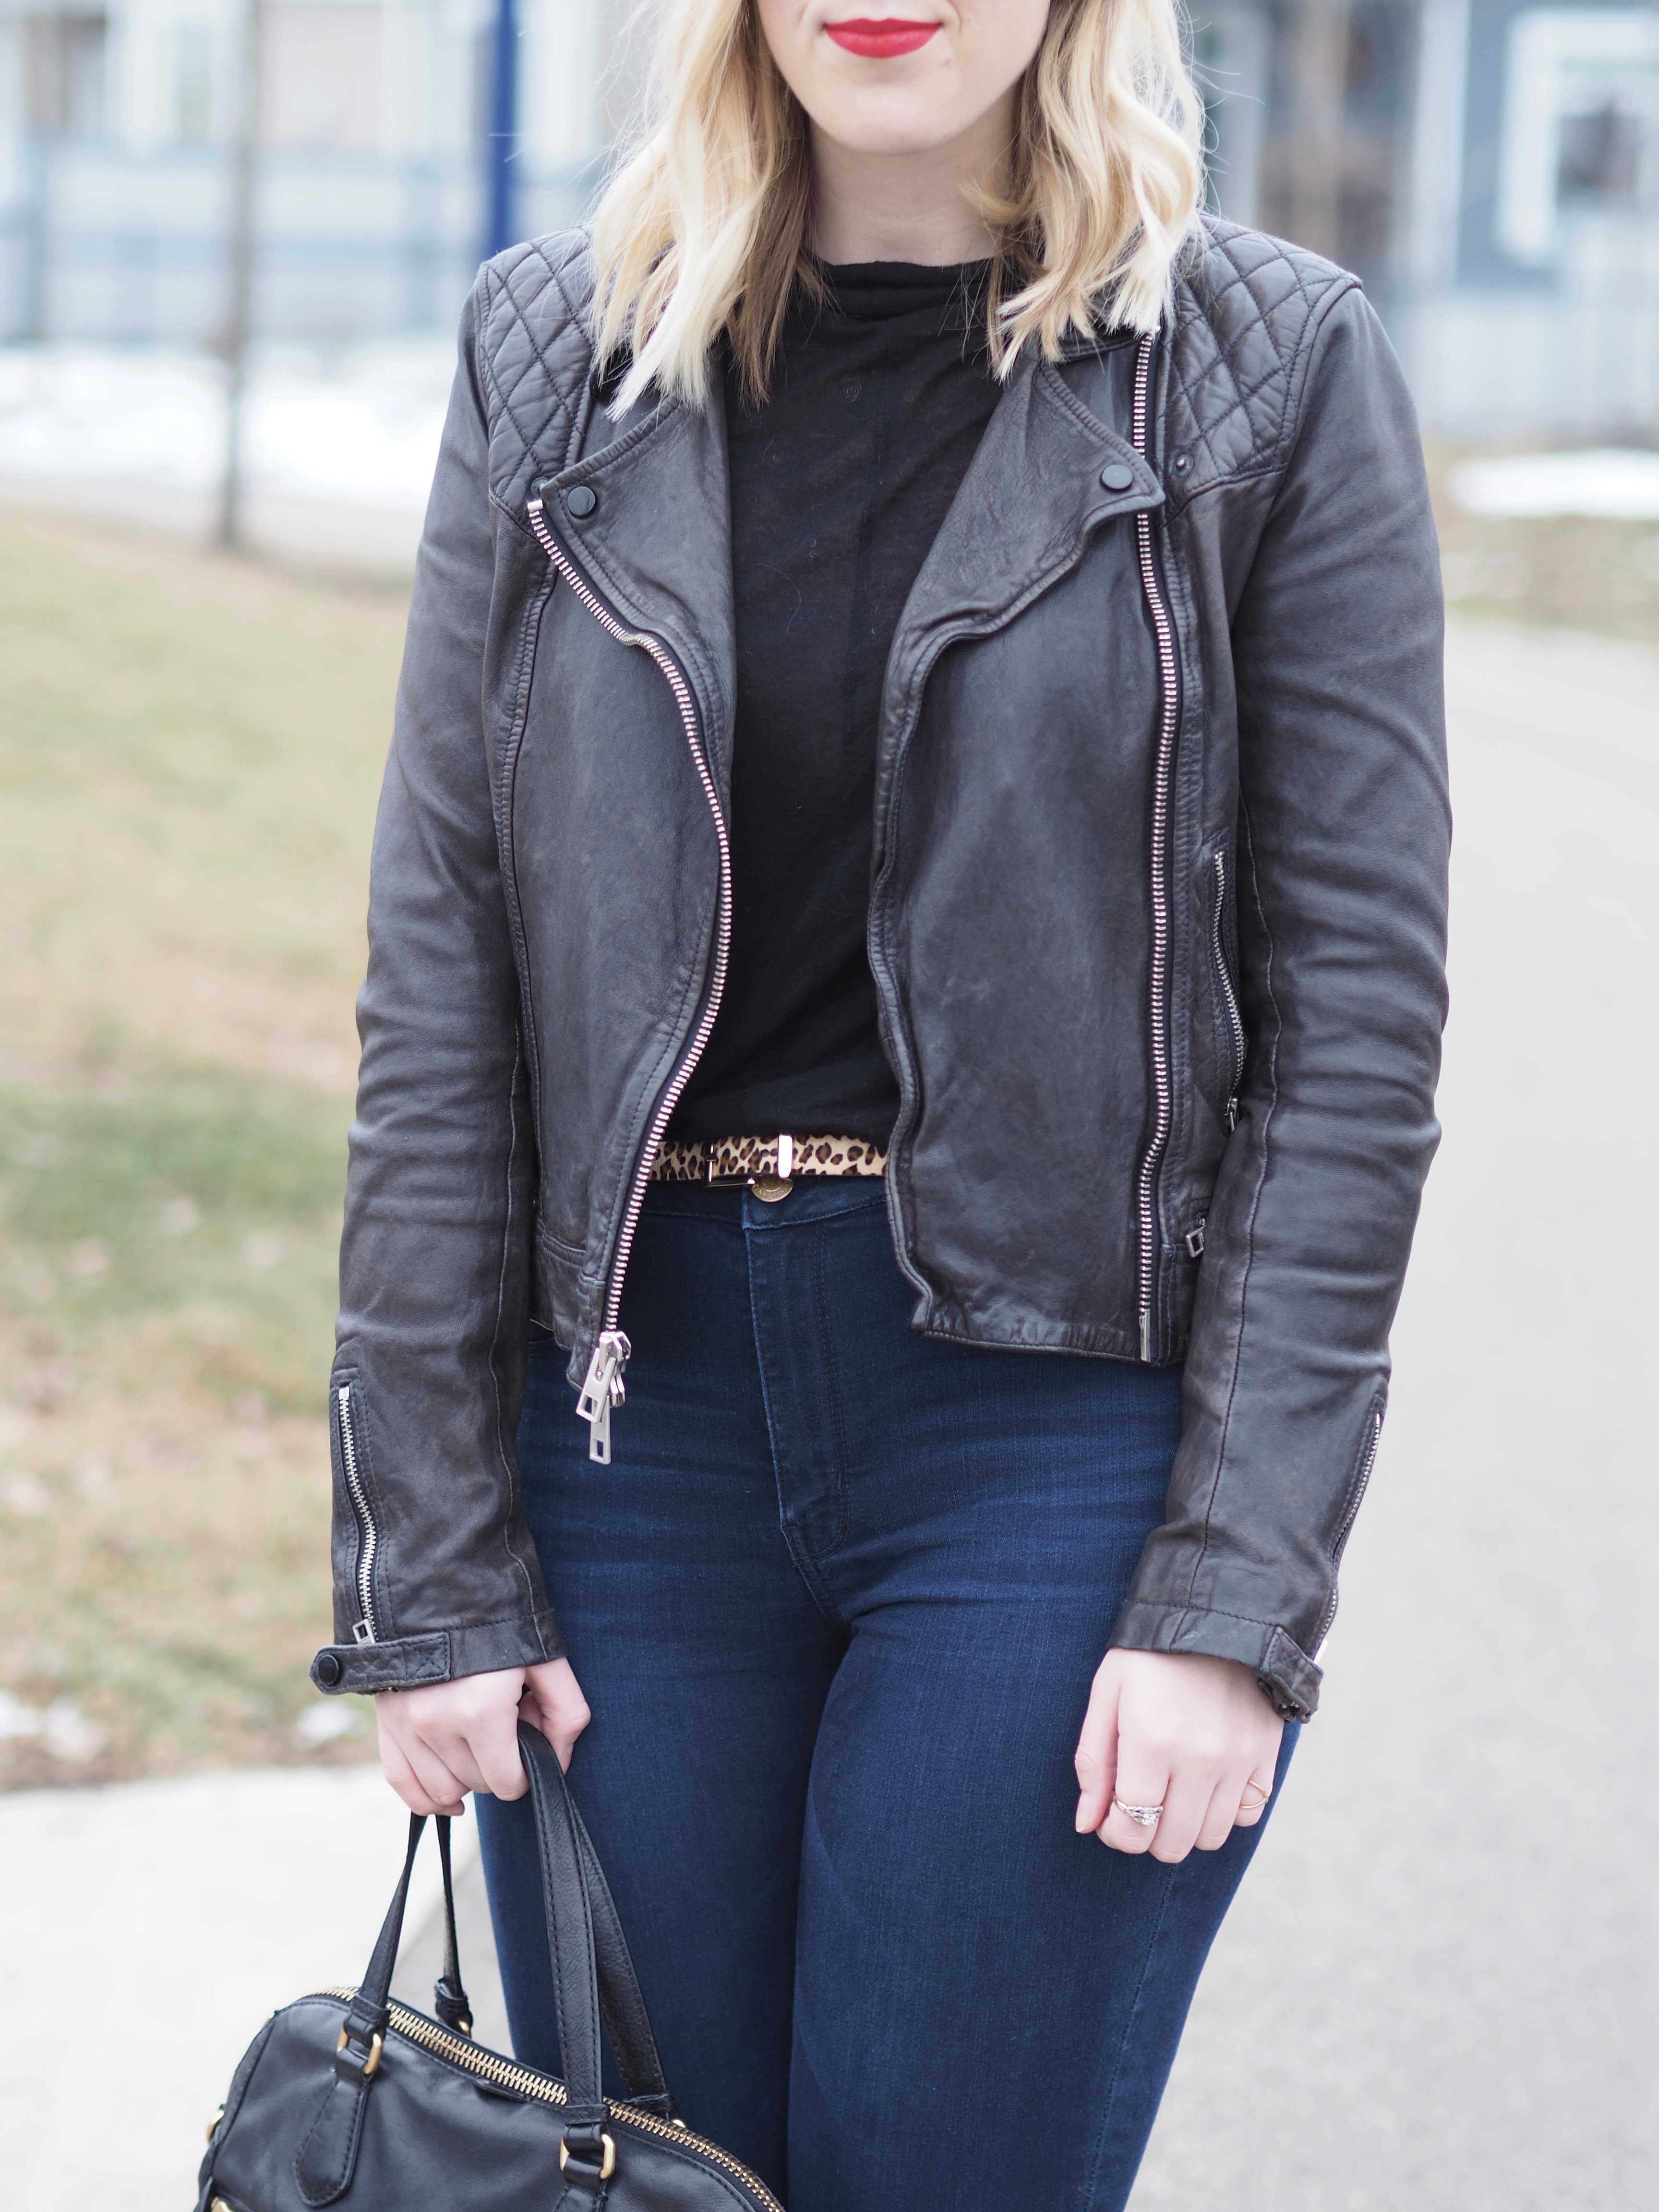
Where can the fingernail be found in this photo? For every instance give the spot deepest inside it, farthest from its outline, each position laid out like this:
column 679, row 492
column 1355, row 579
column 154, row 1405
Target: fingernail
column 1084, row 1823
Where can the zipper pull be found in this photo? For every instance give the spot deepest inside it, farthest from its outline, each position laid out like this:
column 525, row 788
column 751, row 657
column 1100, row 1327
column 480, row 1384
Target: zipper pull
column 602, row 1389
column 1233, row 1112
column 1148, row 1347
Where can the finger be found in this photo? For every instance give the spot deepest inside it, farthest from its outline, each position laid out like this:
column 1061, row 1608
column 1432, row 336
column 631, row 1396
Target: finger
column 1252, row 1802
column 456, row 1751
column 478, row 1742
column 402, row 1777
column 433, row 1775
column 1185, row 1804
column 554, row 1706
column 1141, row 1781
column 492, row 1748
column 1095, row 1761
column 1220, row 1815
column 554, row 1722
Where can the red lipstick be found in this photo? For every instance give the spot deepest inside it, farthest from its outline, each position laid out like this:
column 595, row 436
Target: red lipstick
column 880, row 41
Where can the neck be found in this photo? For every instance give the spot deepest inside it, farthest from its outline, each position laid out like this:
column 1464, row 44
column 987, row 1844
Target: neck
column 910, row 206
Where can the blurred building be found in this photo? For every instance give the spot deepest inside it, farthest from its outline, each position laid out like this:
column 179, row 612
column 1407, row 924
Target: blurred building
column 1490, row 167
column 117, row 128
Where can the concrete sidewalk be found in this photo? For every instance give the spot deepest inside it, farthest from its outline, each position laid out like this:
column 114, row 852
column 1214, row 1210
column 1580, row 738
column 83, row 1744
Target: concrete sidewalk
column 1439, row 1990
column 148, row 1929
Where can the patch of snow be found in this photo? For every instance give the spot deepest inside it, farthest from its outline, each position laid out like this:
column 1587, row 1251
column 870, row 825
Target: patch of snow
column 326, row 1723
column 359, row 425
column 17, row 1719
column 1610, row 483
column 69, row 1736
column 24, row 1494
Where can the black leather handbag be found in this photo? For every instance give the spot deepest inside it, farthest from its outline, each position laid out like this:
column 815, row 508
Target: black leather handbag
column 346, row 2098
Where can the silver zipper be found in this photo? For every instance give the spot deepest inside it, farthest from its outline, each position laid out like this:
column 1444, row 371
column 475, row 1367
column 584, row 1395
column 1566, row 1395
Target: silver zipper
column 365, row 1630
column 1164, row 630
column 1348, row 1520
column 603, row 1388
column 1229, row 996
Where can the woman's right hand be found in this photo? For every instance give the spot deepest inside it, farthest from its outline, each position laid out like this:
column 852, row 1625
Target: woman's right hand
column 437, row 1743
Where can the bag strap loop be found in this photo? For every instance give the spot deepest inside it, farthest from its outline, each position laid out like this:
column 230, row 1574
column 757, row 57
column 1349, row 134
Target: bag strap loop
column 449, row 1999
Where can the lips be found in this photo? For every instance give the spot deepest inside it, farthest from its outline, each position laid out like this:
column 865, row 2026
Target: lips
column 882, row 40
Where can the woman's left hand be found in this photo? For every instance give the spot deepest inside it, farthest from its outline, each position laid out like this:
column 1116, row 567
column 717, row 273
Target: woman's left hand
column 1192, row 1735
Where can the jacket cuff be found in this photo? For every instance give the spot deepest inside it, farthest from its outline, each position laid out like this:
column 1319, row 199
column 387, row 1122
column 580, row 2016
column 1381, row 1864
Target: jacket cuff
column 1288, row 1677
column 409, row 1663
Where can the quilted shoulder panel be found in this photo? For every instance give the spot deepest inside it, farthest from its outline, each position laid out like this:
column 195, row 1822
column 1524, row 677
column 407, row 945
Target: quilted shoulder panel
column 1246, row 309
column 533, row 357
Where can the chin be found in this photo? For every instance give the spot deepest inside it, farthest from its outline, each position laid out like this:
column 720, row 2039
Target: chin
column 889, row 123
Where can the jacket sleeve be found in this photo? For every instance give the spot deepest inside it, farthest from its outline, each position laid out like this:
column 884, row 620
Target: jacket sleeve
column 1343, row 836
column 435, row 1574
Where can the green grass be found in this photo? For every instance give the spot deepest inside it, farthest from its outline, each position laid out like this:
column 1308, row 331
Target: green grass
column 189, row 749
column 197, row 1217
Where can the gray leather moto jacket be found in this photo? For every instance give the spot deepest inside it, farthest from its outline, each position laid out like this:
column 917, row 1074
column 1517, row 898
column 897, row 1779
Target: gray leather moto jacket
column 1157, row 922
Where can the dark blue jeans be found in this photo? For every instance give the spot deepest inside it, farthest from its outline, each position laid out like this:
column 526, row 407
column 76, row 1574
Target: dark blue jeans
column 835, row 1606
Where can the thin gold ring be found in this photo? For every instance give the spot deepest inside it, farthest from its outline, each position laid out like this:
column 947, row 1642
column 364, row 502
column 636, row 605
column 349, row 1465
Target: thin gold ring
column 1144, row 1816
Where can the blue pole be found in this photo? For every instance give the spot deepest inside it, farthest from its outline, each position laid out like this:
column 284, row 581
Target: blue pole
column 503, row 230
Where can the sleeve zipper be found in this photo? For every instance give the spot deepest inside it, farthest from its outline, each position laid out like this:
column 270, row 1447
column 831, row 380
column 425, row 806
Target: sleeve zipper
column 1350, row 1515
column 365, row 1629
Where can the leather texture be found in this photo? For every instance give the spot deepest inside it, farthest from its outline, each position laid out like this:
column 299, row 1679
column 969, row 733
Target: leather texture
column 545, row 890
column 307, row 2124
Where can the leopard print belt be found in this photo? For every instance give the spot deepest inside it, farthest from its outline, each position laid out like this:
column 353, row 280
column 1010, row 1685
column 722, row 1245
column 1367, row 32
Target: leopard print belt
column 766, row 1163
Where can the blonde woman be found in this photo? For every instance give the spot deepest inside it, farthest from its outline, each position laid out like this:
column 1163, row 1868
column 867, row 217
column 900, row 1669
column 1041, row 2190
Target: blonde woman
column 906, row 937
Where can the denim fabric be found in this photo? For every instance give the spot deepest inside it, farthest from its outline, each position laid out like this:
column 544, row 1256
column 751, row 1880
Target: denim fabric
column 836, row 1608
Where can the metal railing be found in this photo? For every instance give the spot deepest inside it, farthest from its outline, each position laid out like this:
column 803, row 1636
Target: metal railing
column 101, row 244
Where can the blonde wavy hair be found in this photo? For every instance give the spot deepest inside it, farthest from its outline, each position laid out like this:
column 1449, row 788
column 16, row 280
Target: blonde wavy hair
column 703, row 228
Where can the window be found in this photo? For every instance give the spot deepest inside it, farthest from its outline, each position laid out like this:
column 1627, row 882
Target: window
column 192, row 84
column 64, row 67
column 1581, row 125
column 1600, row 159
column 322, row 77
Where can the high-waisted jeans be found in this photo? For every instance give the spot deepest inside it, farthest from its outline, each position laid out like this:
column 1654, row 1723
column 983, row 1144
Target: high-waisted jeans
column 835, row 1606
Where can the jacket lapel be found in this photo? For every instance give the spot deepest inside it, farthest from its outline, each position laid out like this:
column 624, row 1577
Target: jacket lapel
column 1032, row 496
column 656, row 545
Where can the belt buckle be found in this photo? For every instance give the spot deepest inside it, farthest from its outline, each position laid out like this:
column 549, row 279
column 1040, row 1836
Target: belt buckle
column 721, row 1181
column 768, row 1185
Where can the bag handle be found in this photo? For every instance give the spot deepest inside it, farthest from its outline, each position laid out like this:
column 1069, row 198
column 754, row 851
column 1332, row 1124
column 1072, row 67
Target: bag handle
column 449, row 1999
column 621, row 2006
column 593, row 1975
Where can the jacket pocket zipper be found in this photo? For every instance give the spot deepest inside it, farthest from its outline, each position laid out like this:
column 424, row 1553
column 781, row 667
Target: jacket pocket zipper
column 1229, row 996
column 365, row 1629
column 1157, row 983
column 602, row 1388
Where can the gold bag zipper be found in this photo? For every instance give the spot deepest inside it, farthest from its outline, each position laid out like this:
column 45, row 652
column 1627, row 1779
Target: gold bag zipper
column 524, row 2081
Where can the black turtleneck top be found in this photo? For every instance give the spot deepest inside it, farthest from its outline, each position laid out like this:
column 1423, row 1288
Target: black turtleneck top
column 840, row 482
